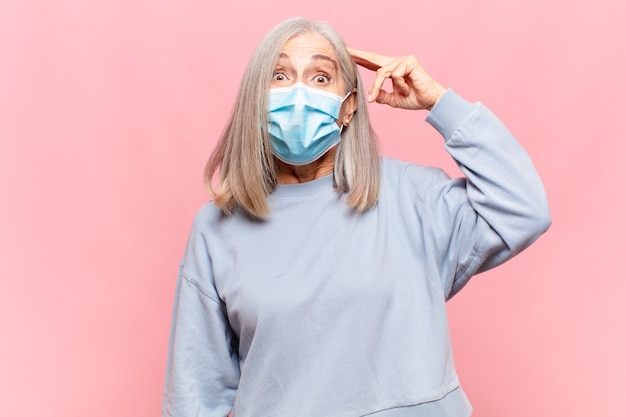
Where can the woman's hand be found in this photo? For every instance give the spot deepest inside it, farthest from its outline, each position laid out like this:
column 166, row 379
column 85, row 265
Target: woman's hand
column 413, row 88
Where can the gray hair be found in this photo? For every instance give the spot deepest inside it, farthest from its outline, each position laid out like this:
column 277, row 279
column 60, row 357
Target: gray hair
column 248, row 172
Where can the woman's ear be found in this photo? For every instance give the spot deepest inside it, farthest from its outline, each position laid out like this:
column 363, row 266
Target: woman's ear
column 348, row 108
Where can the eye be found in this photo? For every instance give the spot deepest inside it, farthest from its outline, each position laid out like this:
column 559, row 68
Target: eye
column 322, row 79
column 279, row 76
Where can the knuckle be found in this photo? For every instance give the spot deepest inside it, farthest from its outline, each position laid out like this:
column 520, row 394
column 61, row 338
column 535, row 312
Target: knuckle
column 398, row 72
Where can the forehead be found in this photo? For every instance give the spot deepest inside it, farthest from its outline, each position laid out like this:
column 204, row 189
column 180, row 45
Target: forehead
column 307, row 45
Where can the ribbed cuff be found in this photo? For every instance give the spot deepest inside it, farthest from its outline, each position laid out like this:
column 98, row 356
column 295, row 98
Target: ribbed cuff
column 448, row 114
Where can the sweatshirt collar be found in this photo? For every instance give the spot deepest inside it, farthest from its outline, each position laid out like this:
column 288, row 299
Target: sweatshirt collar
column 317, row 186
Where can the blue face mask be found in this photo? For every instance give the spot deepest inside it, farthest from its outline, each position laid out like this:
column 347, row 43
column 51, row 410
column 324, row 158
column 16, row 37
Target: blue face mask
column 302, row 122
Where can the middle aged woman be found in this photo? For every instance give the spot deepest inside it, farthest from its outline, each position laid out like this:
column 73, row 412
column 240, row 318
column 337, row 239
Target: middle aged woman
column 314, row 285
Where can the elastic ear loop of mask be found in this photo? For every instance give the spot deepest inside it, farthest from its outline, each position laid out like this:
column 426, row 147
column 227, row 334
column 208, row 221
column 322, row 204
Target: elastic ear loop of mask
column 342, row 100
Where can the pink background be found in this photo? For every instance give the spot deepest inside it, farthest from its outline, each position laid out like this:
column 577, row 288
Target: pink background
column 108, row 110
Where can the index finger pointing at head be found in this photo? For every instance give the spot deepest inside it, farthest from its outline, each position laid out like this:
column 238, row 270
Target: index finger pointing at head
column 370, row 60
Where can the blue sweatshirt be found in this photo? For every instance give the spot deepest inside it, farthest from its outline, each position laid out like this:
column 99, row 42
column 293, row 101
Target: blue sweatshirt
column 323, row 312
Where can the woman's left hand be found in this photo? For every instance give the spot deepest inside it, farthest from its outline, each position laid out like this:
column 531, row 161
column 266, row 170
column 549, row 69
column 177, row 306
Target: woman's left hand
column 413, row 88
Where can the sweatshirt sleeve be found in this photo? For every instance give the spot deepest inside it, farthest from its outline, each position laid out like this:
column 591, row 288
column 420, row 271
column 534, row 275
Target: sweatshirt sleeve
column 498, row 209
column 202, row 368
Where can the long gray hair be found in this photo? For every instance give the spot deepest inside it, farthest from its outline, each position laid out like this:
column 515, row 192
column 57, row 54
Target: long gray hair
column 248, row 172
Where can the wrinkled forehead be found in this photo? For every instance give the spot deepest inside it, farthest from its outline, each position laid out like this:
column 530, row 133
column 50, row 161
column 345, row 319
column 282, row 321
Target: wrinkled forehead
column 309, row 47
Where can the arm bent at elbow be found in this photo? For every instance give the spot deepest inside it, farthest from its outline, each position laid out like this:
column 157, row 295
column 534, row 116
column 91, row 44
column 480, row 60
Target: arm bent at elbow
column 502, row 189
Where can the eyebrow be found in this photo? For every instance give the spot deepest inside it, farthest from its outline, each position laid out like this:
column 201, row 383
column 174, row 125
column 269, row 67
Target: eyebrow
column 316, row 57
column 325, row 58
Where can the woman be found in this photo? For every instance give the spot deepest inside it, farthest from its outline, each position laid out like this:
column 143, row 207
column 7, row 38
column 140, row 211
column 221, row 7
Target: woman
column 315, row 283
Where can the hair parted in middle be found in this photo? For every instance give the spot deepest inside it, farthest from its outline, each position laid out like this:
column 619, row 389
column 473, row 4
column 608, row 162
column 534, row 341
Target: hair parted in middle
column 248, row 172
